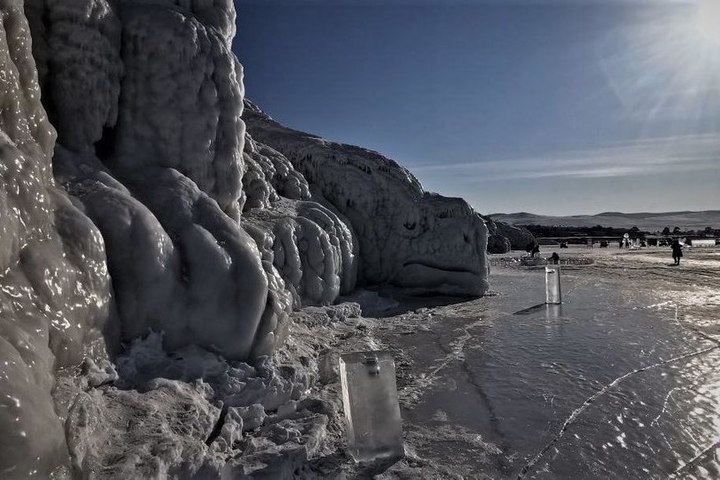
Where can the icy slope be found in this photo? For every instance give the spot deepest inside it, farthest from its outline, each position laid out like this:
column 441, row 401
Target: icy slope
column 55, row 297
column 408, row 237
column 505, row 237
column 154, row 211
column 147, row 98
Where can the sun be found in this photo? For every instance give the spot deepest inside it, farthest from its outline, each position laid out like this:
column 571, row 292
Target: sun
column 663, row 65
column 707, row 21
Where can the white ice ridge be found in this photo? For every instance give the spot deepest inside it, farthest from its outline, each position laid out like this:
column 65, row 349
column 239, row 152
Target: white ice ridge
column 307, row 241
column 407, row 237
column 504, row 237
column 55, row 297
column 153, row 152
column 171, row 218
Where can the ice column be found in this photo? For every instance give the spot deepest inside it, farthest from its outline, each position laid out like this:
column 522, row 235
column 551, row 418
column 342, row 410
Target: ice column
column 370, row 400
column 553, row 293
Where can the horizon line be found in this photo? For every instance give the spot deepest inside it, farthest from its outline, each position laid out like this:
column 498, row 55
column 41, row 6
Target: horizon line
column 662, row 212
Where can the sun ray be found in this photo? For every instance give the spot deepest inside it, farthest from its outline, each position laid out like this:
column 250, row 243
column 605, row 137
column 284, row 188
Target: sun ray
column 707, row 20
column 666, row 63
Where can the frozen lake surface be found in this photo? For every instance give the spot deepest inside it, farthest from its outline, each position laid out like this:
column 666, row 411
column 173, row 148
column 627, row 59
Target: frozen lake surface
column 611, row 384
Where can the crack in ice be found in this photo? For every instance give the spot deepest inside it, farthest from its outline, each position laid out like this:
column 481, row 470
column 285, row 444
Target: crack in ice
column 695, row 459
column 578, row 411
column 456, row 353
column 665, row 404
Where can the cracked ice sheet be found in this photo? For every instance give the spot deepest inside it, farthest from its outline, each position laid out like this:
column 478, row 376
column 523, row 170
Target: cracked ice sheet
column 560, row 361
column 520, row 377
column 630, row 434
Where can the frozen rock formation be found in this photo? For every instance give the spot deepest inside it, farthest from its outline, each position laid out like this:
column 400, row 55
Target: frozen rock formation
column 55, row 297
column 309, row 243
column 498, row 244
column 504, row 237
column 192, row 414
column 151, row 210
column 407, row 237
column 147, row 97
column 519, row 237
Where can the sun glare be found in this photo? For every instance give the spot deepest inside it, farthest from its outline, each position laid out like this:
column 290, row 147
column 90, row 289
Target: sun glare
column 665, row 63
column 707, row 21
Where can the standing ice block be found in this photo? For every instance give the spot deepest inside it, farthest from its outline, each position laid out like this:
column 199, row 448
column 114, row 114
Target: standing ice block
column 372, row 411
column 553, row 294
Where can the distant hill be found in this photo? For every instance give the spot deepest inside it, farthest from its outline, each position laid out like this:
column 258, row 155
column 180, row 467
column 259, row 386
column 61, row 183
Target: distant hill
column 644, row 221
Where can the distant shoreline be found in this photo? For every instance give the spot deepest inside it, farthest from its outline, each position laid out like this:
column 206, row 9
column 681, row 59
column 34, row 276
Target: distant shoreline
column 685, row 220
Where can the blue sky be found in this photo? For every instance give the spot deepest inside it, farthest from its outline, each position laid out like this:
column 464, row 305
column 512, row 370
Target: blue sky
column 565, row 107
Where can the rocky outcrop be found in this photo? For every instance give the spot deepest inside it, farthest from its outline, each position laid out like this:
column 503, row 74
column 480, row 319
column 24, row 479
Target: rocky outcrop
column 505, row 237
column 310, row 245
column 519, row 237
column 147, row 96
column 498, row 244
column 407, row 237
column 55, row 296
column 152, row 210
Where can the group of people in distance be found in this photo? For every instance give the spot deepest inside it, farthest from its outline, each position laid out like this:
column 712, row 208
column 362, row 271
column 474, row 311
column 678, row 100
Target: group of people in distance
column 533, row 248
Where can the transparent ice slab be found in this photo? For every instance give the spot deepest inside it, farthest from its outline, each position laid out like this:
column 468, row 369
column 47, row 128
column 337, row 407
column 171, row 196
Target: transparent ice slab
column 553, row 293
column 372, row 411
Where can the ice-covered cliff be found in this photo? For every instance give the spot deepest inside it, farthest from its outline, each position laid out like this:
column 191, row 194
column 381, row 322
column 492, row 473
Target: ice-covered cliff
column 55, row 294
column 504, row 237
column 152, row 210
column 407, row 237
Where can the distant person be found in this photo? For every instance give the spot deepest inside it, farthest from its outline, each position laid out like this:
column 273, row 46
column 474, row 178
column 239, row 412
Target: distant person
column 532, row 248
column 676, row 251
column 620, row 243
column 554, row 258
column 529, row 247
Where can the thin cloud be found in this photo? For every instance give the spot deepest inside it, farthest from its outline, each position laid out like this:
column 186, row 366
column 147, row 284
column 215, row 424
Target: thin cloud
column 648, row 156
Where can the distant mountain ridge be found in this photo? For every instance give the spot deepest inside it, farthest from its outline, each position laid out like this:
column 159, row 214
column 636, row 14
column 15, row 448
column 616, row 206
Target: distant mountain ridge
column 648, row 221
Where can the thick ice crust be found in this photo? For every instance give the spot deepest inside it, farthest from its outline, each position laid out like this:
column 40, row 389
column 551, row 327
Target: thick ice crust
column 308, row 242
column 171, row 219
column 148, row 98
column 505, row 237
column 408, row 237
column 55, row 298
column 191, row 415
